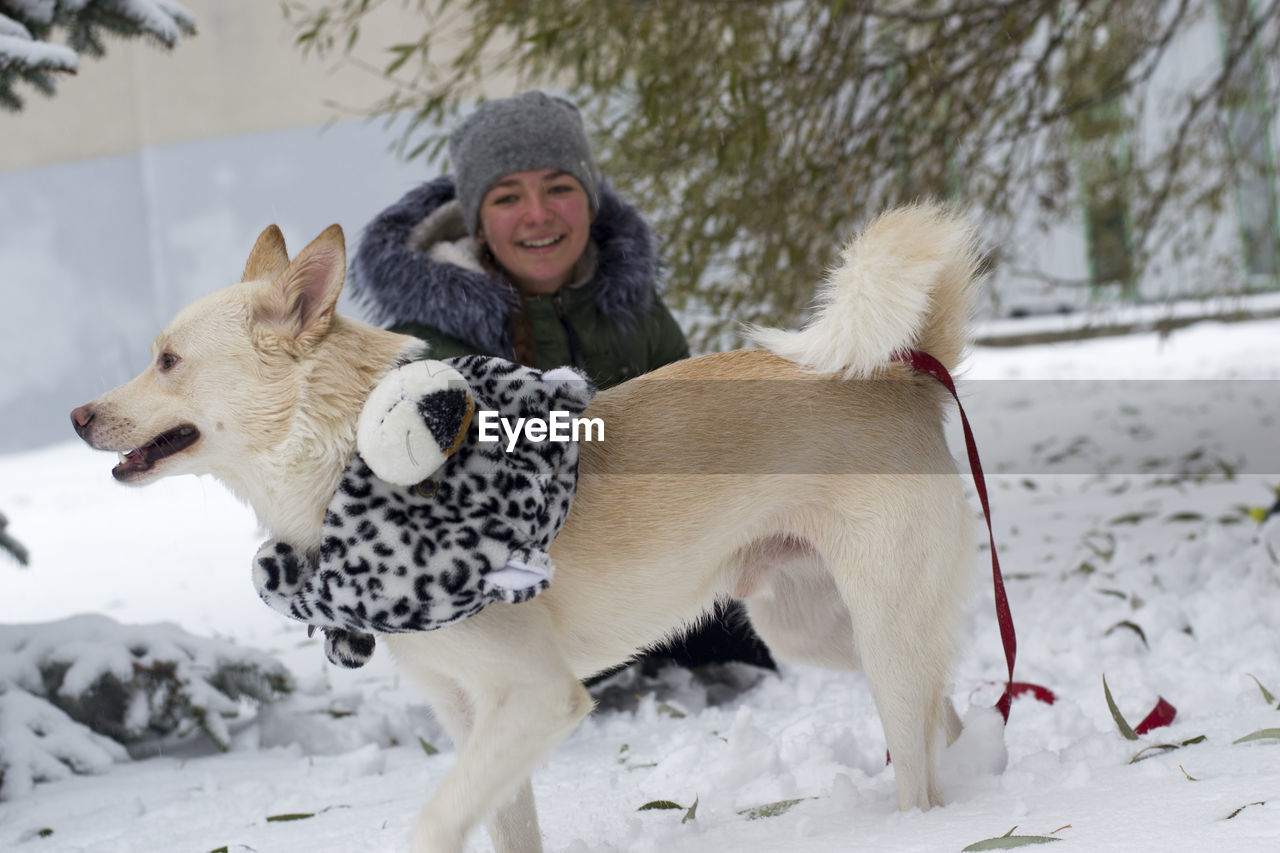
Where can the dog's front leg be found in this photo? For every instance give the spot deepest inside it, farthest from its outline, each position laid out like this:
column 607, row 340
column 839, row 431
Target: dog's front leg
column 514, row 827
column 503, row 676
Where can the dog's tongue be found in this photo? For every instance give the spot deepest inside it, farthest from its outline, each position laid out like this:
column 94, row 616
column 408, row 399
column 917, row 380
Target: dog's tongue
column 130, row 463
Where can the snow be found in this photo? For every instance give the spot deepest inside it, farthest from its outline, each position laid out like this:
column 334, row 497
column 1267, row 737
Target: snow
column 38, row 741
column 37, row 11
column 158, row 18
column 1126, row 514
column 1140, row 316
column 10, row 27
column 21, row 50
column 164, row 19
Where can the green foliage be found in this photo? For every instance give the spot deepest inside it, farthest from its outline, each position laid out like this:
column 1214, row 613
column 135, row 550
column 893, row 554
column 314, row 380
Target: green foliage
column 1122, row 724
column 1162, row 748
column 690, row 813
column 1260, row 734
column 29, row 58
column 11, row 546
column 1129, row 626
column 1009, row 841
column 759, row 135
column 1245, row 806
column 1266, row 694
column 771, row 809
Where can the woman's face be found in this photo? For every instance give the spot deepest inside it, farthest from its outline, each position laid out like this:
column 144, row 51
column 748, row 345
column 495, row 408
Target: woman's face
column 536, row 223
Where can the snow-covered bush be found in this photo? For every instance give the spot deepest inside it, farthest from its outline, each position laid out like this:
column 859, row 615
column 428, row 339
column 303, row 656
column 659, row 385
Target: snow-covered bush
column 39, row 743
column 65, row 684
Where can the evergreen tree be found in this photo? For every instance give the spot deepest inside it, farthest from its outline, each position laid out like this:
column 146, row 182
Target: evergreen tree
column 26, row 27
column 758, row 133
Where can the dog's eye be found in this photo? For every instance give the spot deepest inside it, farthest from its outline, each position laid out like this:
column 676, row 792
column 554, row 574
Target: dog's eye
column 167, row 361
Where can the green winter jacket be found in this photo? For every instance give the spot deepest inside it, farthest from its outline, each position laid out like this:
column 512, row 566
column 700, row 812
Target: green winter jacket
column 608, row 355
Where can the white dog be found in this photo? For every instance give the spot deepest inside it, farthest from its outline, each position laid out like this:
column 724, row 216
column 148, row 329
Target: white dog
column 809, row 478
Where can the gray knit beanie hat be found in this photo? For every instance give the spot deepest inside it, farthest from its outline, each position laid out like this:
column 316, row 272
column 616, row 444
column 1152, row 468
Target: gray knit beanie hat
column 529, row 131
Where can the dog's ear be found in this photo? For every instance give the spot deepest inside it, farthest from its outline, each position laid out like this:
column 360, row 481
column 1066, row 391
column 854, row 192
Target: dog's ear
column 268, row 258
column 299, row 303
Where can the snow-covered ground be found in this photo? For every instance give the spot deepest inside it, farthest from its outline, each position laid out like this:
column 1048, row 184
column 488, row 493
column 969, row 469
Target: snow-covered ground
column 1122, row 513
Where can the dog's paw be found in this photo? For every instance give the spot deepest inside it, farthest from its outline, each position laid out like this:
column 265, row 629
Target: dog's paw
column 416, row 416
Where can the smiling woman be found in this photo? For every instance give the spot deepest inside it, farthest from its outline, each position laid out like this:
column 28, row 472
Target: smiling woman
column 524, row 252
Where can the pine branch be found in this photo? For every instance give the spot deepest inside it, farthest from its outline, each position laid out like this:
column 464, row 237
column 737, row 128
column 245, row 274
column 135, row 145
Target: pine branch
column 27, row 57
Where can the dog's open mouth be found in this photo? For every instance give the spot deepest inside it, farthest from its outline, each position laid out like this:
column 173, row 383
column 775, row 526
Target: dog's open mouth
column 142, row 459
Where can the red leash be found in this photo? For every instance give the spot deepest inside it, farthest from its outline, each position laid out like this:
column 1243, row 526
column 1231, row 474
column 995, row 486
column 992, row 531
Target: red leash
column 925, row 363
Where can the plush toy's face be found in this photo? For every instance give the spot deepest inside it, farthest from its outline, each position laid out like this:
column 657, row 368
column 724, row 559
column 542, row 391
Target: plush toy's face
column 413, row 421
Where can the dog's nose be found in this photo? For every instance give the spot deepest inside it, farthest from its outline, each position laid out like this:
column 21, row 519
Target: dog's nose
column 81, row 417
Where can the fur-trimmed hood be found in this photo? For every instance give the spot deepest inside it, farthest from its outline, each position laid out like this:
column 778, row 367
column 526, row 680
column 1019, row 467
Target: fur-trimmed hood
column 416, row 263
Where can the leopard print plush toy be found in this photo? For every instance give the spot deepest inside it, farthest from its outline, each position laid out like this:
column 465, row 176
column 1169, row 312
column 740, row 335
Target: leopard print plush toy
column 430, row 524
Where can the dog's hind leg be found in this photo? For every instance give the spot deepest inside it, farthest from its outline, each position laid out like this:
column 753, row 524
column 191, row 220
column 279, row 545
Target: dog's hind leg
column 903, row 591
column 521, row 699
column 906, row 683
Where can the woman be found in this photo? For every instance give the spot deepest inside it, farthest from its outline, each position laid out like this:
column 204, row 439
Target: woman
column 525, row 253
column 522, row 253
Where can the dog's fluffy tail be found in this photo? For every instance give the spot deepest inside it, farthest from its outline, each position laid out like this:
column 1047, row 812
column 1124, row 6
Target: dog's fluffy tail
column 906, row 282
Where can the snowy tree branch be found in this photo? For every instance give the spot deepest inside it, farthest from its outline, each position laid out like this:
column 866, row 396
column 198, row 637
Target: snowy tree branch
column 26, row 26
